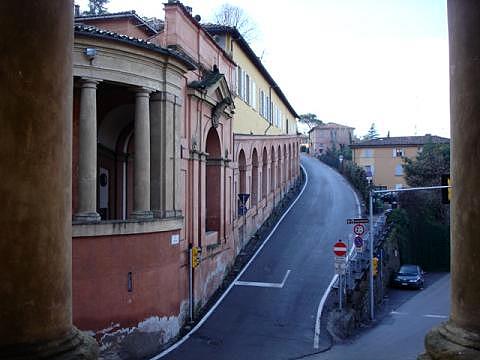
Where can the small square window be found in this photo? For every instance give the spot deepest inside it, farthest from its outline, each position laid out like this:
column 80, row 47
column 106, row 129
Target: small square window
column 398, row 152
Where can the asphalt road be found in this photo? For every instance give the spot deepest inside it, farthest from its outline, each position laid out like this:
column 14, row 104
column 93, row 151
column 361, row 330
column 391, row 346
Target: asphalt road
column 400, row 334
column 270, row 321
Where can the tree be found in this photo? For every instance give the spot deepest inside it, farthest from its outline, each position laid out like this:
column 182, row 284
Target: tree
column 234, row 16
column 372, row 133
column 429, row 165
column 96, row 7
column 310, row 119
column 429, row 219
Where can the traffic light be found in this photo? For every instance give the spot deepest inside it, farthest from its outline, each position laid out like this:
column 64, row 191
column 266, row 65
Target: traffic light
column 375, row 266
column 196, row 252
column 447, row 192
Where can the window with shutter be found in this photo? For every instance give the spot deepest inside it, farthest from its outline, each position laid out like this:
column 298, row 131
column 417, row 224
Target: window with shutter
column 247, row 88
column 254, row 95
column 239, row 81
column 261, row 103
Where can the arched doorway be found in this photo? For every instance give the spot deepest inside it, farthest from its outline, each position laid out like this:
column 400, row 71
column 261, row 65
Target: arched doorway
column 213, row 182
column 264, row 173
column 254, row 195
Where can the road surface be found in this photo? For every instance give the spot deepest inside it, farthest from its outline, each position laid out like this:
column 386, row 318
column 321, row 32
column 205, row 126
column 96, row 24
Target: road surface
column 399, row 335
column 272, row 314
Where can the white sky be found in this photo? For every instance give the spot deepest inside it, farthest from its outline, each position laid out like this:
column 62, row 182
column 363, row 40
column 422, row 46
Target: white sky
column 348, row 61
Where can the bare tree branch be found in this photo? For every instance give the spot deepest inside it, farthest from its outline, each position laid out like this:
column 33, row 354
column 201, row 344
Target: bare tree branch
column 234, row 16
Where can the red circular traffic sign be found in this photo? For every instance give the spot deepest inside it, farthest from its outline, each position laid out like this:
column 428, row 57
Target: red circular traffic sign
column 358, row 229
column 340, row 249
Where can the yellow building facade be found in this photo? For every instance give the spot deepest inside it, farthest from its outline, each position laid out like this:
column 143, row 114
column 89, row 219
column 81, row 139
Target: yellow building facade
column 261, row 108
column 383, row 158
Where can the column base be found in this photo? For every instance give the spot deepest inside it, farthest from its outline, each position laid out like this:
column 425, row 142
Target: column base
column 87, row 216
column 142, row 215
column 74, row 346
column 172, row 213
column 449, row 341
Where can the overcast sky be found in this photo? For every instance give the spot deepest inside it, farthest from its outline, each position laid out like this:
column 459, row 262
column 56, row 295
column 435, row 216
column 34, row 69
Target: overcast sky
column 354, row 62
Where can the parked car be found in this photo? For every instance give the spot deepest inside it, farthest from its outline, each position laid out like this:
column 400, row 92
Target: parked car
column 410, row 276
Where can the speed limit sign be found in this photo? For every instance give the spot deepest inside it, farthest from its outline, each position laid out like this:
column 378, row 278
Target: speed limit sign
column 358, row 229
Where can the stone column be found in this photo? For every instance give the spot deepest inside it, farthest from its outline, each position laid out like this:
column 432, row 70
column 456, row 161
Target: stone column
column 35, row 163
column 141, row 207
column 178, row 196
column 157, row 154
column 172, row 163
column 459, row 337
column 87, row 164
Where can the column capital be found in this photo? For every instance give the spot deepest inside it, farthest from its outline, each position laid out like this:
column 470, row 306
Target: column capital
column 88, row 82
column 141, row 91
column 164, row 96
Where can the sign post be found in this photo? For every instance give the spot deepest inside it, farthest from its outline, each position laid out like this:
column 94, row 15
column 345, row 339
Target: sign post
column 340, row 251
column 242, row 211
column 358, row 241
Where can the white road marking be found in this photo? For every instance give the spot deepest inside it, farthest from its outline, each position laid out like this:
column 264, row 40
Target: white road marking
column 436, row 316
column 316, row 336
column 207, row 315
column 264, row 284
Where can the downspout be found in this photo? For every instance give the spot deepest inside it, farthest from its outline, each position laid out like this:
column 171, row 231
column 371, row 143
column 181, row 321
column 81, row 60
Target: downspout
column 270, row 113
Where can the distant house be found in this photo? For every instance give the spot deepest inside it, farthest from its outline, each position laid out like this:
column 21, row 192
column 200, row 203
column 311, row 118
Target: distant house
column 329, row 135
column 382, row 158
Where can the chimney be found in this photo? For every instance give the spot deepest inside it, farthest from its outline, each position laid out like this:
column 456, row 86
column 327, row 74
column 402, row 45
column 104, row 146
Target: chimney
column 76, row 10
column 189, row 9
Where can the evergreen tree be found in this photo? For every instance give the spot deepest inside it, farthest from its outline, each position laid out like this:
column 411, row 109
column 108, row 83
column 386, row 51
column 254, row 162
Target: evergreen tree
column 372, row 133
column 97, row 7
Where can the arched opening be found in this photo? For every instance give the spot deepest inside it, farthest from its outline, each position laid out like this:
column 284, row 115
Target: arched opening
column 279, row 168
column 264, row 173
column 289, row 162
column 115, row 152
column 242, row 168
column 272, row 170
column 284, row 179
column 213, row 182
column 254, row 195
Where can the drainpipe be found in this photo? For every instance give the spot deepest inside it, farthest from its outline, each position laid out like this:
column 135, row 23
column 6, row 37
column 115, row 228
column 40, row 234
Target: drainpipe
column 271, row 109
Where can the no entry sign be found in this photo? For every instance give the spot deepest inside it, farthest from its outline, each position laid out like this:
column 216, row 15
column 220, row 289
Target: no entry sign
column 340, row 249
